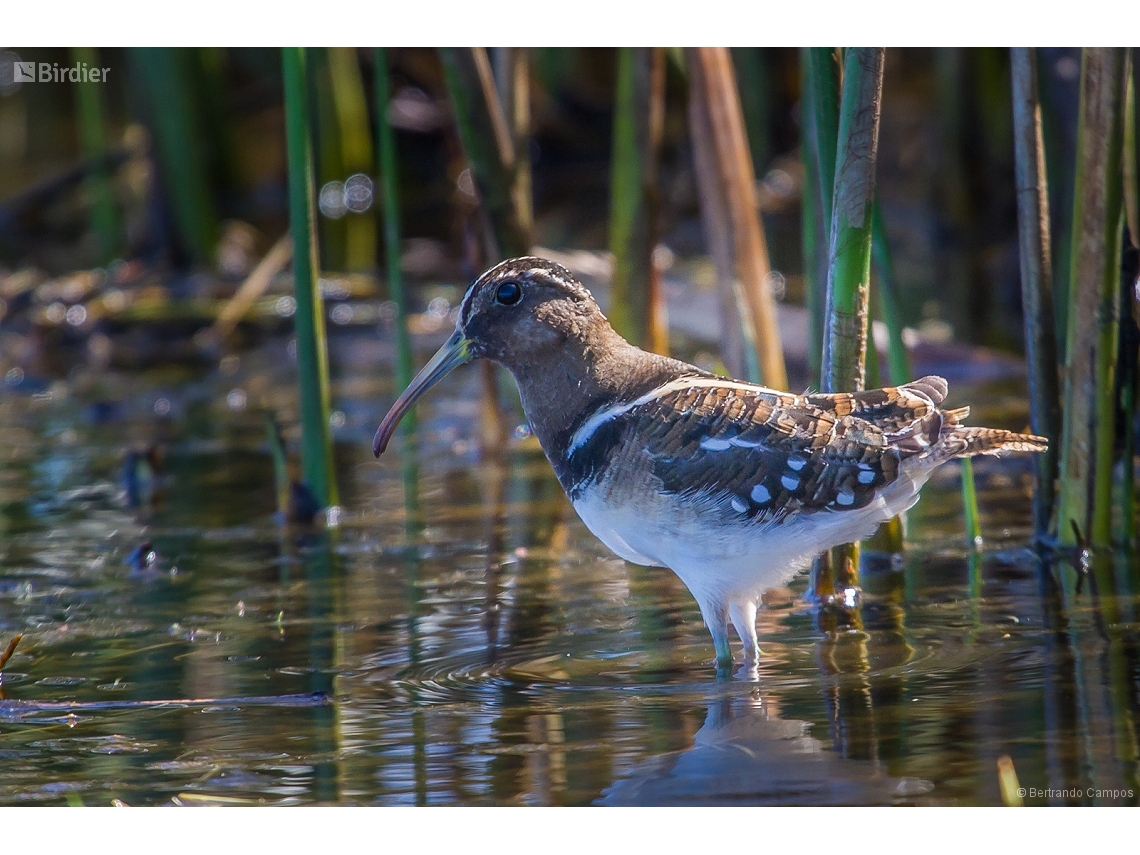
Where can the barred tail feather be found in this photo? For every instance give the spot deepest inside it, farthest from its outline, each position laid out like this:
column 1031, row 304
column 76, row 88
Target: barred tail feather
column 960, row 441
column 954, row 417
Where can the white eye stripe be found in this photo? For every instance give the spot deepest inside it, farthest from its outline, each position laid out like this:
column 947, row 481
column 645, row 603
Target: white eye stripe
column 465, row 306
column 592, row 423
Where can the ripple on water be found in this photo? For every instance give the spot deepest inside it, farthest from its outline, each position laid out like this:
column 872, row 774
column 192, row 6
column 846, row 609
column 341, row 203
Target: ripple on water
column 112, row 744
column 601, row 680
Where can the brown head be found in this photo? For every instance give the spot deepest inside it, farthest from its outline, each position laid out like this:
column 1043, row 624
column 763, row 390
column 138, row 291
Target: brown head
column 525, row 309
column 532, row 316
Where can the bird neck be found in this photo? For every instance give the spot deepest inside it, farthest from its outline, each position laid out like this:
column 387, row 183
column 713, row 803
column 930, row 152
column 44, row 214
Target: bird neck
column 563, row 387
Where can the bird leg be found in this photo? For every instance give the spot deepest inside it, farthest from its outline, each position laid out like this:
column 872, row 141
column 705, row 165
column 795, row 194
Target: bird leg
column 716, row 619
column 744, row 619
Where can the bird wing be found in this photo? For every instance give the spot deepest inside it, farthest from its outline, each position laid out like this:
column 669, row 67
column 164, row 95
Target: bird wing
column 767, row 453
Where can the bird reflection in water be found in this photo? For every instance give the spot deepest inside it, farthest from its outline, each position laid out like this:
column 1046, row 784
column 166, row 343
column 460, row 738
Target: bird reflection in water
column 745, row 754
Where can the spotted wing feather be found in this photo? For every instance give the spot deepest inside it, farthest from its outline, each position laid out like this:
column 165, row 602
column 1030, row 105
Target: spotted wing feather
column 766, row 454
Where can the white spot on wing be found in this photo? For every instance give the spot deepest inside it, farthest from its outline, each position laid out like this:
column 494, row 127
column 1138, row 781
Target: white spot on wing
column 866, row 476
column 715, row 444
column 738, row 505
column 845, row 497
column 790, row 482
column 740, row 442
column 796, row 463
column 760, row 494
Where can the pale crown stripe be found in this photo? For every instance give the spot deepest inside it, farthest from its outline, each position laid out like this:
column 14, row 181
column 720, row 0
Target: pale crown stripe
column 465, row 306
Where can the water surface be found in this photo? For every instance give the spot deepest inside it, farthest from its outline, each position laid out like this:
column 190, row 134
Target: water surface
column 461, row 638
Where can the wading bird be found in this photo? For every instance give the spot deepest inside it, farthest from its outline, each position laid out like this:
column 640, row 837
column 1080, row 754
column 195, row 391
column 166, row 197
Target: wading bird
column 730, row 485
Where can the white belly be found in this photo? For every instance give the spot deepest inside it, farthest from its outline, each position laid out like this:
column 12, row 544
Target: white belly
column 719, row 553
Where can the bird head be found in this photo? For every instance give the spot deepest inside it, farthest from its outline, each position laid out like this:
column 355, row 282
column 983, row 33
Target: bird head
column 519, row 311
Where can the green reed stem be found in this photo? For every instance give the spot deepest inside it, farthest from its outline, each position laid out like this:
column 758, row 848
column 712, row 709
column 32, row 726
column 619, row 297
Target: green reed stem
column 487, row 142
column 1131, row 170
column 1060, row 171
column 1135, row 85
column 1107, row 350
column 811, row 234
column 628, row 221
column 1109, row 311
column 970, row 505
column 178, row 133
column 752, row 70
column 898, row 360
column 1036, row 277
column 93, row 135
column 1129, row 319
column 1088, row 428
column 489, row 145
column 210, row 72
column 1126, row 530
column 823, row 82
column 849, row 273
column 390, row 200
column 309, row 319
column 328, row 156
column 351, row 107
column 821, row 125
column 1130, row 359
column 280, row 463
column 891, row 534
column 872, row 375
column 512, row 83
column 636, row 310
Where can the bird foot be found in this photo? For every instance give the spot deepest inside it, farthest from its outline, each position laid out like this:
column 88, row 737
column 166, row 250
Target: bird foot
column 748, row 668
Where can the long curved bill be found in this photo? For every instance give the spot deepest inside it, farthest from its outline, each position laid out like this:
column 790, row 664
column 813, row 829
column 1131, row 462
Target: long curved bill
column 454, row 352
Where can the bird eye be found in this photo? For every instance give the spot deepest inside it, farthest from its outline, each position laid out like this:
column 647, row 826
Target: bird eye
column 508, row 293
